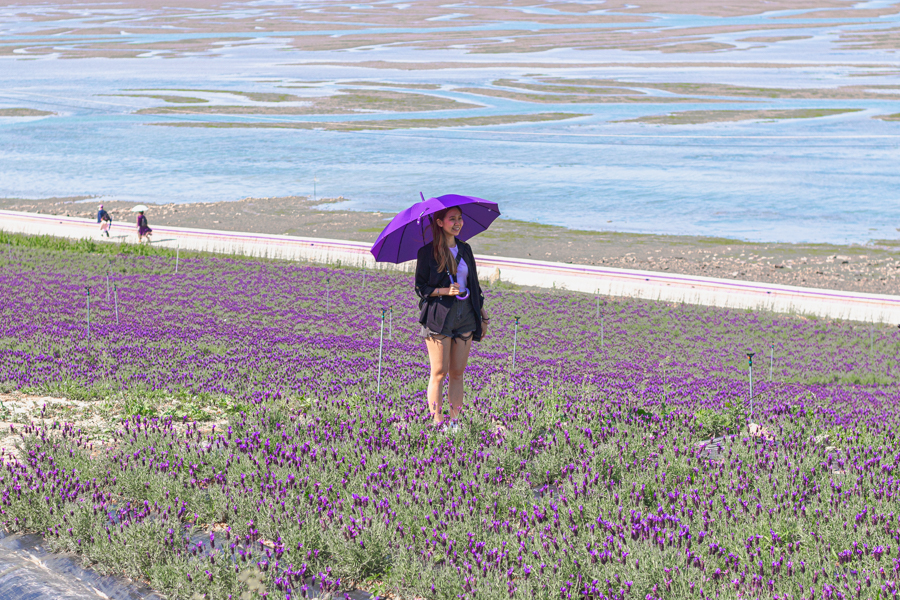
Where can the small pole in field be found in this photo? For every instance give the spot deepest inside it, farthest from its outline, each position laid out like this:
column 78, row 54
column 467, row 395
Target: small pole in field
column 601, row 332
column 598, row 305
column 89, row 313
column 177, row 251
column 116, row 298
column 107, row 285
column 515, row 342
column 391, row 324
column 771, row 360
column 750, row 357
column 380, row 347
column 871, row 340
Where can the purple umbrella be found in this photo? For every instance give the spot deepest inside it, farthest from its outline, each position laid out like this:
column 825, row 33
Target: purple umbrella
column 411, row 229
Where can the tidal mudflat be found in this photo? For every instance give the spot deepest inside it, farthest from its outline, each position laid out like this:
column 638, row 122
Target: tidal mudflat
column 568, row 114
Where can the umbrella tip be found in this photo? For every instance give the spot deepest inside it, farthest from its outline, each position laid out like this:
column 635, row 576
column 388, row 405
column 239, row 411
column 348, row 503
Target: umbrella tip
column 423, row 196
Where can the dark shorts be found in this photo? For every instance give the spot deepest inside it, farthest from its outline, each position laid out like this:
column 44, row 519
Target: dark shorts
column 460, row 321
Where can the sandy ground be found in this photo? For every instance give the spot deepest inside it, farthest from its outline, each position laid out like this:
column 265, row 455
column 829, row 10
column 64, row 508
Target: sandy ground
column 871, row 268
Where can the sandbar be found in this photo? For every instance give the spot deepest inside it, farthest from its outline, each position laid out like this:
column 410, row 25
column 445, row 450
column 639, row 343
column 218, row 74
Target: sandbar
column 24, row 112
column 693, row 117
column 383, row 124
column 621, row 98
column 348, row 101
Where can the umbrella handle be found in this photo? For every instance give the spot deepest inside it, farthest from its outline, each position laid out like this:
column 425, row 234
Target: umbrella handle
column 466, row 296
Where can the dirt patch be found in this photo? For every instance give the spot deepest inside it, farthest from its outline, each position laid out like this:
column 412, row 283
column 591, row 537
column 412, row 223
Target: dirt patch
column 97, row 418
column 872, row 268
column 693, row 117
column 19, row 409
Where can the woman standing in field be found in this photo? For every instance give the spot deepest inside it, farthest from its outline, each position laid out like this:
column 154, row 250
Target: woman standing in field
column 143, row 227
column 451, row 309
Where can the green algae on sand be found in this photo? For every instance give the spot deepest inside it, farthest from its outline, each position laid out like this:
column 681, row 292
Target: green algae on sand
column 383, row 124
column 254, row 96
column 348, row 101
column 24, row 112
column 172, row 99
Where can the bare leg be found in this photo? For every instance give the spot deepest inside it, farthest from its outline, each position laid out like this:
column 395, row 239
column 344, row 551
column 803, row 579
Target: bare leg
column 439, row 357
column 459, row 357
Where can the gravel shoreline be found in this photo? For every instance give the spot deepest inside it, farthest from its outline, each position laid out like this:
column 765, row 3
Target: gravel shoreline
column 873, row 268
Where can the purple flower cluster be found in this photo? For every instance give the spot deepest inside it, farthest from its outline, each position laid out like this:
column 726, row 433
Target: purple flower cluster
column 577, row 474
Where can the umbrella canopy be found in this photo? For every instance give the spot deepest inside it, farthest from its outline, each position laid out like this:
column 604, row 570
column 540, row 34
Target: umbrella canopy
column 139, row 208
column 411, row 229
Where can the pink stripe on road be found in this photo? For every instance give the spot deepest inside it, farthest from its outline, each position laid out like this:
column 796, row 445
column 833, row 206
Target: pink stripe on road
column 640, row 282
column 706, row 282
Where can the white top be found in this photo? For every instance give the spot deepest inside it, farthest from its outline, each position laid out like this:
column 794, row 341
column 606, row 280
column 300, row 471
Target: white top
column 462, row 271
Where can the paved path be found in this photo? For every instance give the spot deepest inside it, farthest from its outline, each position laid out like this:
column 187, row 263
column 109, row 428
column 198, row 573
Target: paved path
column 582, row 278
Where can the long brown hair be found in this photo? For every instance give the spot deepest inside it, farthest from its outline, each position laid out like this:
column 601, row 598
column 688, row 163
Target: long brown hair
column 442, row 253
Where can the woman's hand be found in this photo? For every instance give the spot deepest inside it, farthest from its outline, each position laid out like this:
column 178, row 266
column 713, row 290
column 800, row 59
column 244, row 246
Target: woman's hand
column 453, row 290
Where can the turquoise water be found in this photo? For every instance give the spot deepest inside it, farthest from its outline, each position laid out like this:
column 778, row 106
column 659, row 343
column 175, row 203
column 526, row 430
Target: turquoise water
column 830, row 179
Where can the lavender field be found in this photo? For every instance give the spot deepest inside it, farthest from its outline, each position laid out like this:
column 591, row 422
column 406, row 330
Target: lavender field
column 236, row 445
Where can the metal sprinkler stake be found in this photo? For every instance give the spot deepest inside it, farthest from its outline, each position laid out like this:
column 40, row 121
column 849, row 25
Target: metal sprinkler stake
column 515, row 342
column 601, row 332
column 598, row 305
column 107, row 285
column 771, row 360
column 177, row 252
column 380, row 346
column 89, row 313
column 750, row 357
column 116, row 297
column 391, row 325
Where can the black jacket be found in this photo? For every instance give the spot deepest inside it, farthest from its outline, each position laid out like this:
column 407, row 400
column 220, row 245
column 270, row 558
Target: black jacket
column 433, row 309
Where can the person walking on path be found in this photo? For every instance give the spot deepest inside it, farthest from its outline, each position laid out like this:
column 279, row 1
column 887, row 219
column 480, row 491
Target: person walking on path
column 143, row 228
column 451, row 307
column 105, row 221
